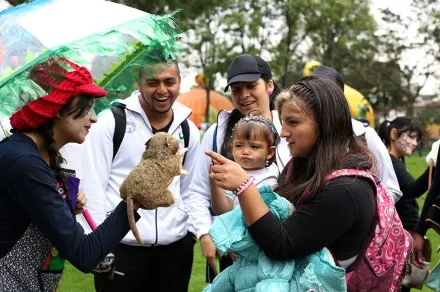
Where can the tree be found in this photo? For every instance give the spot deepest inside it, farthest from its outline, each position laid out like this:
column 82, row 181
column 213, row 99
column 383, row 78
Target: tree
column 287, row 60
column 396, row 41
column 337, row 33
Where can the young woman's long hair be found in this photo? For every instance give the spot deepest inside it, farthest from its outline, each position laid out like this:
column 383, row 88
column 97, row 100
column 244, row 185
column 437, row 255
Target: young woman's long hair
column 324, row 103
column 79, row 109
column 235, row 116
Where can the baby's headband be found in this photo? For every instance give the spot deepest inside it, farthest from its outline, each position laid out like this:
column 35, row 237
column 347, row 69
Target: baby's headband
column 261, row 120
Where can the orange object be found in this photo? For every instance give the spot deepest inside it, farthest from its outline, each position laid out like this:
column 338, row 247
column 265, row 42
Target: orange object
column 201, row 80
column 195, row 99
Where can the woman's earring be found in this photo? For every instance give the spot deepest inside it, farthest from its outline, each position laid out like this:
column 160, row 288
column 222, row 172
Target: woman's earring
column 270, row 92
column 267, row 163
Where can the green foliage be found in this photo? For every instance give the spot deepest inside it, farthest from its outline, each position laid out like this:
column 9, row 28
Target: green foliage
column 429, row 115
column 394, row 44
column 339, row 33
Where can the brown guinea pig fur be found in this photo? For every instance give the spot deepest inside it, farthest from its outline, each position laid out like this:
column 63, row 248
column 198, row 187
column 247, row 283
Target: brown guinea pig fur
column 148, row 182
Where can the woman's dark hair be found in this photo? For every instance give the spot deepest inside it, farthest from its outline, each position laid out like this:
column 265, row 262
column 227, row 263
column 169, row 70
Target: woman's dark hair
column 324, row 103
column 275, row 92
column 235, row 116
column 402, row 125
column 257, row 127
column 79, row 109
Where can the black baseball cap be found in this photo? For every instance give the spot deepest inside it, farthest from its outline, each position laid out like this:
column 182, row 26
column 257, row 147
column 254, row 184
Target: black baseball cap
column 247, row 68
column 329, row 73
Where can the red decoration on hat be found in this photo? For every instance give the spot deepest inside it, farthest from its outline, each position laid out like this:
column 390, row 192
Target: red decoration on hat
column 62, row 84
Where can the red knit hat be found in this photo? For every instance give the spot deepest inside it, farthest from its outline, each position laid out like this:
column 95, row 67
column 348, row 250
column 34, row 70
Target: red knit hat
column 62, row 80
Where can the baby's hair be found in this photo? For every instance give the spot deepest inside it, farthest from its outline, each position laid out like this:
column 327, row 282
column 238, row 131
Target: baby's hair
column 256, row 126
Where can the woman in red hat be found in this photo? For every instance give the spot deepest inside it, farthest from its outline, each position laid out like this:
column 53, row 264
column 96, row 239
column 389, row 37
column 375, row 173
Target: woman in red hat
column 38, row 229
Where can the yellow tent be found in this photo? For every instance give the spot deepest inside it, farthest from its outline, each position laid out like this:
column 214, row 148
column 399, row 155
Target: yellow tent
column 359, row 106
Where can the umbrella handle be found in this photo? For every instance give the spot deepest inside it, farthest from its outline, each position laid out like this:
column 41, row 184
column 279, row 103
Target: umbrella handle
column 106, row 264
column 89, row 219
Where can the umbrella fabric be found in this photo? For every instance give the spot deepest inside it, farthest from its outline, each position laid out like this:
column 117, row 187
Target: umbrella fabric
column 113, row 41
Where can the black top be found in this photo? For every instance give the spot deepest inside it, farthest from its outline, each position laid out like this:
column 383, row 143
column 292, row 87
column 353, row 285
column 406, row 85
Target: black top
column 28, row 194
column 164, row 129
column 339, row 217
column 411, row 188
column 431, row 197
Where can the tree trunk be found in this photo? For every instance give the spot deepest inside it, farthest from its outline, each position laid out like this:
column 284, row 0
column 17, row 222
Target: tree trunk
column 410, row 110
column 288, row 43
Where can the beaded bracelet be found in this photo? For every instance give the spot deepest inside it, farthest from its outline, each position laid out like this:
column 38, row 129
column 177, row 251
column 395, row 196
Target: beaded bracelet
column 244, row 186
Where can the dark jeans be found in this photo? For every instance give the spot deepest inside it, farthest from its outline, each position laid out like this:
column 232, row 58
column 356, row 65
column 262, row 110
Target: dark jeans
column 161, row 268
column 225, row 262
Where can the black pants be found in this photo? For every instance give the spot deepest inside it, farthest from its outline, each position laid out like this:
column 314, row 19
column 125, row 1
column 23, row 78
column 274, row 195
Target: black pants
column 161, row 268
column 225, row 262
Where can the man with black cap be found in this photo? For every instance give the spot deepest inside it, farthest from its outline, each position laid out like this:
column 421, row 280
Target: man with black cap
column 385, row 166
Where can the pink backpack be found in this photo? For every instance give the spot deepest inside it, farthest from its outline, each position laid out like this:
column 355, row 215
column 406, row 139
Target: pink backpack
column 382, row 262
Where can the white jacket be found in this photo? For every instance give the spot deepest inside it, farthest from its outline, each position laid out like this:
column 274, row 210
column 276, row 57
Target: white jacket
column 102, row 177
column 200, row 190
column 384, row 165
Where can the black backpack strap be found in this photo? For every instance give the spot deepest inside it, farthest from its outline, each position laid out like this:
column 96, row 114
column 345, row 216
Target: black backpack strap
column 186, row 133
column 214, row 139
column 118, row 110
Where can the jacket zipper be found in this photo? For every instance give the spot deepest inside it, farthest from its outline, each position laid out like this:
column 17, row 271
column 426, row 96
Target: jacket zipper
column 155, row 221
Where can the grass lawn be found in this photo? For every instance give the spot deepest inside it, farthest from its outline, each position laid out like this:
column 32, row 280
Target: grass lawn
column 74, row 280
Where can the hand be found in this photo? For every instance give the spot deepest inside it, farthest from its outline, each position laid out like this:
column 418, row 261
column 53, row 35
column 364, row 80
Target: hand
column 418, row 245
column 81, row 201
column 213, row 185
column 432, row 155
column 226, row 174
column 209, row 251
column 136, row 205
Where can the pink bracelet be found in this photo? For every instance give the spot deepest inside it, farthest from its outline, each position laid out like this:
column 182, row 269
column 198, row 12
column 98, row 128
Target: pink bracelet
column 244, row 186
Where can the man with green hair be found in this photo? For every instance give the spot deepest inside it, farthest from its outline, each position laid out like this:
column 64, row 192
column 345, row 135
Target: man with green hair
column 164, row 261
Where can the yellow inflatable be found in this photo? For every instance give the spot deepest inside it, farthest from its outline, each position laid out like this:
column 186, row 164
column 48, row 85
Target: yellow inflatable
column 359, row 106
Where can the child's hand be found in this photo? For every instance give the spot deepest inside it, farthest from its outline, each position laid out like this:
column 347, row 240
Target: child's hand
column 211, row 179
column 81, row 201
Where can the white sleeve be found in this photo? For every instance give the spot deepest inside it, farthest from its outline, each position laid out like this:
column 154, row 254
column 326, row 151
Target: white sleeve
column 191, row 157
column 230, row 195
column 200, row 195
column 384, row 165
column 97, row 163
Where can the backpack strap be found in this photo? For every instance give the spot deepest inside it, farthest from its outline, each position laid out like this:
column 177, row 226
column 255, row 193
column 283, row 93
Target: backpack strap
column 186, row 133
column 214, row 139
column 118, row 110
column 214, row 149
column 384, row 200
column 350, row 172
